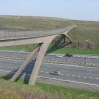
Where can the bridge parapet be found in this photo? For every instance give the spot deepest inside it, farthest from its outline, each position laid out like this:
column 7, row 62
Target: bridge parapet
column 12, row 34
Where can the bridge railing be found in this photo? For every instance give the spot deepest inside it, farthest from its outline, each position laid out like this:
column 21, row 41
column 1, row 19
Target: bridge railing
column 12, row 34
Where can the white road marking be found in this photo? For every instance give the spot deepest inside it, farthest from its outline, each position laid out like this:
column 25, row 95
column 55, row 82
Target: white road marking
column 89, row 70
column 48, row 66
column 79, row 76
column 44, row 68
column 67, row 75
column 7, row 71
column 70, row 81
column 73, row 75
column 66, row 67
column 85, row 77
column 90, row 73
column 2, row 70
column 94, row 64
column 91, row 77
column 76, row 66
column 65, row 71
column 41, row 71
column 46, row 72
column 97, row 78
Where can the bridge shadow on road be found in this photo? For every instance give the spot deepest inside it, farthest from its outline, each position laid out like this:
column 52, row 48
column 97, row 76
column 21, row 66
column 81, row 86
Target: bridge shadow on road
column 25, row 74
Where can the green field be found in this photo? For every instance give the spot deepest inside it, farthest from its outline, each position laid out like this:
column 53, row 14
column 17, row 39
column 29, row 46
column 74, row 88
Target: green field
column 20, row 90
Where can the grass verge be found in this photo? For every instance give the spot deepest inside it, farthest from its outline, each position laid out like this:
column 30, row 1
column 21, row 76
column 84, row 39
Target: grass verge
column 53, row 49
column 21, row 90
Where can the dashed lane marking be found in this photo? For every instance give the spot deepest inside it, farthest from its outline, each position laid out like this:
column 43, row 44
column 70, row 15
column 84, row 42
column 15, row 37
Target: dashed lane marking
column 97, row 78
column 8, row 71
column 89, row 70
column 90, row 73
column 47, row 72
column 70, row 81
column 2, row 70
column 67, row 75
column 91, row 77
column 73, row 75
column 48, row 66
column 44, row 68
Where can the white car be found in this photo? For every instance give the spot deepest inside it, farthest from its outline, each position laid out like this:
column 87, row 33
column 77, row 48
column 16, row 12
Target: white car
column 59, row 56
column 56, row 72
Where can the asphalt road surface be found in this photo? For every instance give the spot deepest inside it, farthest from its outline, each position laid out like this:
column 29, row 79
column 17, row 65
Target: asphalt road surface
column 74, row 76
column 81, row 61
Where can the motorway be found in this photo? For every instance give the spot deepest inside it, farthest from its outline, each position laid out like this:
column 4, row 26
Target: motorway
column 71, row 75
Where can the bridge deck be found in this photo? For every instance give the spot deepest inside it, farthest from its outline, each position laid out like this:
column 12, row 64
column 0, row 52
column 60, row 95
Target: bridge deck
column 12, row 34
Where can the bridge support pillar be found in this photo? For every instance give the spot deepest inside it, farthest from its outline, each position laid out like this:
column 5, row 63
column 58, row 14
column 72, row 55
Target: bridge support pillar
column 39, row 59
column 38, row 62
column 25, row 63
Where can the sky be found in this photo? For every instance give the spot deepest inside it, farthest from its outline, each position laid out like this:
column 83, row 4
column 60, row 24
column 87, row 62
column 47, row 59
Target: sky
column 70, row 9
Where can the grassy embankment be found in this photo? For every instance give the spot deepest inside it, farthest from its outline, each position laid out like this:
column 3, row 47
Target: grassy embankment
column 18, row 90
column 84, row 30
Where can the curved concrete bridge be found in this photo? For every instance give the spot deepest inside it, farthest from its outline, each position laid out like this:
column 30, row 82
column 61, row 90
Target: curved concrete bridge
column 43, row 38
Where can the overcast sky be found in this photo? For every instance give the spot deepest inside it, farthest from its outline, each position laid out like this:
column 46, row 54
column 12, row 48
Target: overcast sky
column 70, row 9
